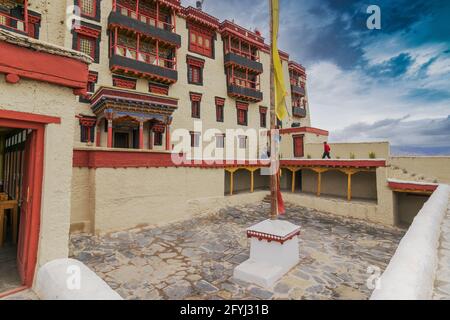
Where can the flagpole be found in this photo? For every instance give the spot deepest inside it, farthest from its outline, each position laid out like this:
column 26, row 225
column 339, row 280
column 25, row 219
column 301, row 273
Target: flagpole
column 273, row 123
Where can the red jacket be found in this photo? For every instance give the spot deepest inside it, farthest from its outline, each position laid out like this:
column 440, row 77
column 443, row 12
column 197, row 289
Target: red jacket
column 327, row 148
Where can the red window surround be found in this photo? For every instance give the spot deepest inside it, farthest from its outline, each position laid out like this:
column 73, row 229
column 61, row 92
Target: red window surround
column 263, row 117
column 196, row 99
column 87, row 40
column 220, row 141
column 158, row 89
column 195, row 139
column 298, row 146
column 201, row 40
column 88, row 8
column 242, row 113
column 220, row 104
column 158, row 139
column 124, row 83
column 195, row 70
column 87, row 128
column 242, row 142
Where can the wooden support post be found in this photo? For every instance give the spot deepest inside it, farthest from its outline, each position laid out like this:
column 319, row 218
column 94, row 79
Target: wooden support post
column 293, row 180
column 319, row 183
column 110, row 133
column 231, row 182
column 141, row 135
column 168, row 146
column 349, row 186
column 150, row 139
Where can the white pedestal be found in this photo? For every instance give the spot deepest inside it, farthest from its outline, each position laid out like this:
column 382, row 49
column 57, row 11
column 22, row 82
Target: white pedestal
column 274, row 251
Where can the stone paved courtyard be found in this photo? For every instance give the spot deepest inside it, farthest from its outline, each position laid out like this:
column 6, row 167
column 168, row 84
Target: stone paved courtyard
column 195, row 259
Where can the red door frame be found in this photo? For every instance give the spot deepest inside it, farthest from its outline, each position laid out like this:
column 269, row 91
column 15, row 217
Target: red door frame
column 21, row 120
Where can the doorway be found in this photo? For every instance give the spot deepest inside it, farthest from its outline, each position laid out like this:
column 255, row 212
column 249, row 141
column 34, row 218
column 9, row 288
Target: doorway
column 21, row 168
column 121, row 140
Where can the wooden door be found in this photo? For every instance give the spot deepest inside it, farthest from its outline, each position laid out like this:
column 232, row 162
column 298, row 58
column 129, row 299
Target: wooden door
column 26, row 201
column 121, row 140
column 298, row 146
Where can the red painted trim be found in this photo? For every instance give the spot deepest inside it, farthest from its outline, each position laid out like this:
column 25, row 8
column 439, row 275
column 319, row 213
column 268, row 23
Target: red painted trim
column 42, row 66
column 412, row 186
column 270, row 237
column 335, row 163
column 135, row 159
column 305, row 130
column 32, row 237
column 195, row 97
column 202, row 17
column 12, row 78
column 28, row 117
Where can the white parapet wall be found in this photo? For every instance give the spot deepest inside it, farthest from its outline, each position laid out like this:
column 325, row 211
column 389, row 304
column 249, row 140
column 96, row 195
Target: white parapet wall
column 411, row 272
column 69, row 279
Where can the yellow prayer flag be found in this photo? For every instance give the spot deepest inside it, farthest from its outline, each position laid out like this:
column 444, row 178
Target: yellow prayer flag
column 280, row 88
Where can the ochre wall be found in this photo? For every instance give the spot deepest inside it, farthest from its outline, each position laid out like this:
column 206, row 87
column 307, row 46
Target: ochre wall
column 432, row 167
column 45, row 99
column 344, row 150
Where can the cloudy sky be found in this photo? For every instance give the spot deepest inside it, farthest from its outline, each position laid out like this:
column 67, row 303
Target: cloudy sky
column 389, row 84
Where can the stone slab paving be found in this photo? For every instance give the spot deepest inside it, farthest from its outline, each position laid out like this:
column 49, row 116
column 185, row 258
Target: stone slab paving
column 195, row 259
column 442, row 281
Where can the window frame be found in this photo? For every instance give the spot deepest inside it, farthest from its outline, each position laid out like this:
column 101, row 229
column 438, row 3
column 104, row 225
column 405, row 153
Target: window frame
column 196, row 47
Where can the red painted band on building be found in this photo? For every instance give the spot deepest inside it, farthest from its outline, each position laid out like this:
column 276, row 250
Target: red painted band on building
column 42, row 66
column 135, row 159
column 270, row 237
column 411, row 186
column 317, row 131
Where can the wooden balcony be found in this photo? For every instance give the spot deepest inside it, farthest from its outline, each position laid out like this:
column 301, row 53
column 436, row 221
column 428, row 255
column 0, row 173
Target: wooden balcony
column 125, row 18
column 244, row 61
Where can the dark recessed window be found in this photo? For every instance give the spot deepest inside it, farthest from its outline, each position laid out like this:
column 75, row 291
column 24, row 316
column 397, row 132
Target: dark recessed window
column 195, row 139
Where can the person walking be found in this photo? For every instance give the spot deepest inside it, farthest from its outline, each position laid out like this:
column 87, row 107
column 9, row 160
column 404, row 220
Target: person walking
column 326, row 150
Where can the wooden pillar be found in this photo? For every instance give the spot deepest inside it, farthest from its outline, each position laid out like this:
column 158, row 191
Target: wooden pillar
column 252, row 181
column 99, row 134
column 110, row 133
column 168, row 144
column 349, row 186
column 231, row 182
column 293, row 180
column 141, row 135
column 150, row 138
column 319, row 183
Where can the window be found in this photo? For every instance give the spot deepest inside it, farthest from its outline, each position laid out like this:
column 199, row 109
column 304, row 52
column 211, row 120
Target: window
column 200, row 42
column 263, row 117
column 86, row 45
column 219, row 113
column 87, row 129
column 242, row 142
column 196, row 109
column 195, row 70
column 194, row 75
column 88, row 7
column 195, row 139
column 298, row 146
column 86, row 39
column 196, row 98
column 220, row 141
column 158, row 139
column 242, row 117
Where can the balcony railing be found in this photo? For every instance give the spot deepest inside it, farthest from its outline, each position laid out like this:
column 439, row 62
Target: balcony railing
column 298, row 90
column 149, row 58
column 135, row 14
column 12, row 23
column 243, row 61
column 245, row 89
column 298, row 112
column 245, row 54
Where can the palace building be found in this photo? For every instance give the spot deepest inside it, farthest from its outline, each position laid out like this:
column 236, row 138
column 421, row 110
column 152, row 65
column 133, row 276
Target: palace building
column 92, row 93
